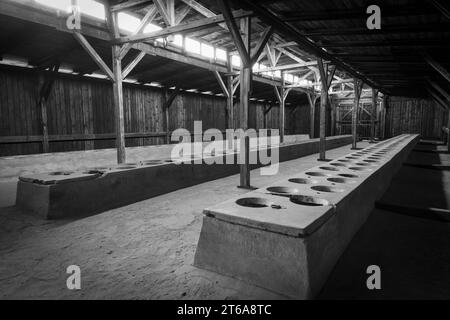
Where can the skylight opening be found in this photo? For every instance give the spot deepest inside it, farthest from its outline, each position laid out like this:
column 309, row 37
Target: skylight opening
column 178, row 40
column 207, row 50
column 127, row 22
column 235, row 61
column 63, row 5
column 151, row 28
column 92, row 8
column 221, row 54
column 192, row 45
column 88, row 7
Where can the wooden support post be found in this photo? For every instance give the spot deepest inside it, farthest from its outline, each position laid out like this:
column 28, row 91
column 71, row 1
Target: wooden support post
column 322, row 122
column 45, row 143
column 245, row 78
column 325, row 80
column 282, row 108
column 448, row 131
column 372, row 114
column 118, row 92
column 312, row 102
column 383, row 117
column 46, row 85
column 357, row 88
column 229, row 115
column 166, row 107
column 338, row 119
column 333, row 117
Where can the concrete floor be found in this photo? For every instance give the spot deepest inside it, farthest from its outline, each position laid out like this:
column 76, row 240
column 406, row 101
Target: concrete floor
column 412, row 252
column 145, row 250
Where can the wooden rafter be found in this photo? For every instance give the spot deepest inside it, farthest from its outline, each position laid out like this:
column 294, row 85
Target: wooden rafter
column 133, row 64
column 181, row 14
column 261, row 44
column 235, row 32
column 442, row 7
column 438, row 99
column 439, row 89
column 181, row 28
column 290, row 66
column 94, row 55
column 149, row 16
column 438, row 67
column 221, row 84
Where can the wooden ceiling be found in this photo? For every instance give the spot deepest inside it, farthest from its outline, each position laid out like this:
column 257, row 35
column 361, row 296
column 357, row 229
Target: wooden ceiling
column 390, row 59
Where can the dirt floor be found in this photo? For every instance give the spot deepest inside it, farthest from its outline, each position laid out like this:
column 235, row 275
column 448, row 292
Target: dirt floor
column 145, row 250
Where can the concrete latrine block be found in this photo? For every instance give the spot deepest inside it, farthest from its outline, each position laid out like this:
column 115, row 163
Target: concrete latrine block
column 67, row 194
column 288, row 236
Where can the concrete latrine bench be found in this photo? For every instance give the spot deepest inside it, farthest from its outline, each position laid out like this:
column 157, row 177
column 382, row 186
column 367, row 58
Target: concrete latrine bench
column 77, row 193
column 288, row 236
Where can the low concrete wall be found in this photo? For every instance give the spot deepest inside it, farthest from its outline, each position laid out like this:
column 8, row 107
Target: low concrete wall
column 14, row 166
column 67, row 194
column 287, row 237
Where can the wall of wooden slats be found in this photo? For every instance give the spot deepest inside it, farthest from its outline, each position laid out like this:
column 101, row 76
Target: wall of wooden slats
column 405, row 115
column 81, row 106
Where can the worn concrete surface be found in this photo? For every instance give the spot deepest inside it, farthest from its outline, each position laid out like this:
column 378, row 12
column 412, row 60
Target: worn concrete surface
column 412, row 252
column 144, row 250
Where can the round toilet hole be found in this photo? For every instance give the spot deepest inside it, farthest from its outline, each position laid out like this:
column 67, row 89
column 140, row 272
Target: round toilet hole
column 362, row 164
column 337, row 164
column 302, row 180
column 327, row 189
column 282, row 190
column 317, row 174
column 329, row 168
column 348, row 175
column 359, row 169
column 309, row 201
column 254, row 202
column 341, row 180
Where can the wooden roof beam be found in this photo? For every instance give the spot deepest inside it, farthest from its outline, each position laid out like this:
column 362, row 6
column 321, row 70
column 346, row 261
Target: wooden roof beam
column 439, row 89
column 289, row 67
column 355, row 13
column 438, row 67
column 443, row 8
column 235, row 32
column 303, row 42
column 94, row 55
column 438, row 99
column 181, row 28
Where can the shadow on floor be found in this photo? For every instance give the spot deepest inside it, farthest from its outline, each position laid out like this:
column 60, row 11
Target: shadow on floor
column 412, row 252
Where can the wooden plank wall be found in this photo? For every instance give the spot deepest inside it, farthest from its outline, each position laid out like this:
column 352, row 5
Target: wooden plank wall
column 406, row 115
column 344, row 118
column 84, row 106
column 403, row 115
